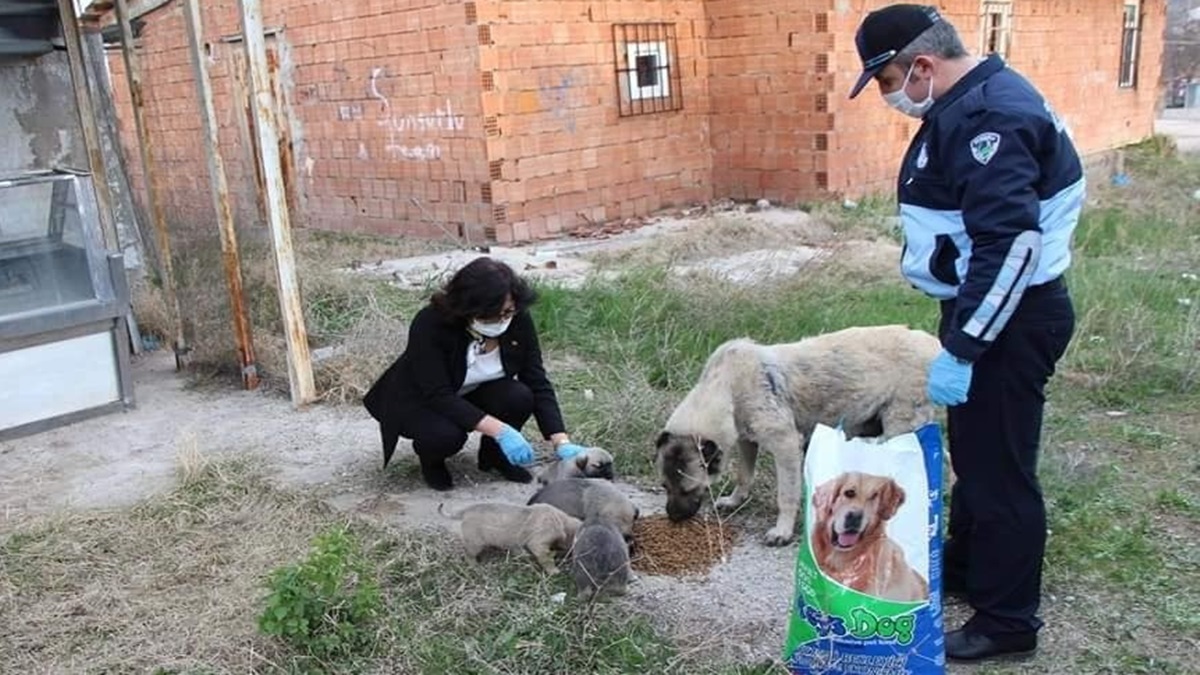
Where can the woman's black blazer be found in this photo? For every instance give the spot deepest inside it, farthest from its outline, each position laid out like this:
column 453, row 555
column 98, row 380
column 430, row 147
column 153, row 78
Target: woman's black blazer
column 433, row 366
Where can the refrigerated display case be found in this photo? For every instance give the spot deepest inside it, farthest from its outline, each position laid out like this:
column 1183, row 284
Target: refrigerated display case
column 64, row 345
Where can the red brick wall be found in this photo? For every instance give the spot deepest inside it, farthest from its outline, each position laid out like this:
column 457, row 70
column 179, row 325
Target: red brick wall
column 501, row 118
column 559, row 153
column 381, row 108
column 769, row 78
column 1070, row 50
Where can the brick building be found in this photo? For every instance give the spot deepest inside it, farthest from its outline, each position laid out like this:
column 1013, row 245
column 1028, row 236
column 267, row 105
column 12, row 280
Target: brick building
column 522, row 119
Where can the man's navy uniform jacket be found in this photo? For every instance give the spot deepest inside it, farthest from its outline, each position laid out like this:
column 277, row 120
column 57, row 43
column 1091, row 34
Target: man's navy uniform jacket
column 990, row 192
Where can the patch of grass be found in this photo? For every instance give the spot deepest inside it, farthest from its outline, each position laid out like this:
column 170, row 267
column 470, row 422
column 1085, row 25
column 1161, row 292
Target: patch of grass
column 176, row 584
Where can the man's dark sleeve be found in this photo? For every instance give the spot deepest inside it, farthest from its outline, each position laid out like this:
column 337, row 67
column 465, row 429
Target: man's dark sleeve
column 993, row 159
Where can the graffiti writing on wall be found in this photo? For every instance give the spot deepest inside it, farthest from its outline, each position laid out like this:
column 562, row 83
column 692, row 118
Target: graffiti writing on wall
column 400, row 124
column 556, row 93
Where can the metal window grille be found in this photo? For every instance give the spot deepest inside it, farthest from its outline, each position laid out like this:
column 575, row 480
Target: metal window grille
column 1130, row 43
column 647, row 68
column 996, row 27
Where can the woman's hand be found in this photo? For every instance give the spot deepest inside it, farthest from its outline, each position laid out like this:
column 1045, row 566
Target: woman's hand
column 568, row 450
column 564, row 448
column 514, row 446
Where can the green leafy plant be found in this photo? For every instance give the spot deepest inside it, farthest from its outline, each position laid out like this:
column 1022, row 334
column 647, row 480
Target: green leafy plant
column 326, row 605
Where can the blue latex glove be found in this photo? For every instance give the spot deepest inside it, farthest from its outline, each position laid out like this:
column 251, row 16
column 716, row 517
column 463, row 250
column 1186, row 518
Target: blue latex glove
column 949, row 380
column 514, row 446
column 569, row 450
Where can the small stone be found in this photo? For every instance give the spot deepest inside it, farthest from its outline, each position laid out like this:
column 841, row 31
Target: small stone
column 763, row 204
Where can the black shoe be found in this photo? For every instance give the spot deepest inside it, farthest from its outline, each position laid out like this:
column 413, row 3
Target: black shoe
column 436, row 475
column 966, row 645
column 493, row 459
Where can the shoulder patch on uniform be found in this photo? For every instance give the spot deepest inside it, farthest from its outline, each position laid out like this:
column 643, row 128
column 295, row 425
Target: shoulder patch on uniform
column 984, row 146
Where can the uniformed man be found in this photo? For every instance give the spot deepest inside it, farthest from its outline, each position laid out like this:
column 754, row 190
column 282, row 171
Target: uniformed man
column 990, row 191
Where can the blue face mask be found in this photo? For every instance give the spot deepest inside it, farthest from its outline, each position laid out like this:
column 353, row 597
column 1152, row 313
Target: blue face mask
column 900, row 100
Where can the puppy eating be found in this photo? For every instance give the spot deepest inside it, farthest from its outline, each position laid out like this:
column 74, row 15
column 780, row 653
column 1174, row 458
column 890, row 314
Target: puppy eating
column 600, row 560
column 594, row 463
column 539, row 529
column 849, row 539
column 590, row 499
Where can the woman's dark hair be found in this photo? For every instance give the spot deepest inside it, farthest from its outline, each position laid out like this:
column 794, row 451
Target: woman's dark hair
column 478, row 290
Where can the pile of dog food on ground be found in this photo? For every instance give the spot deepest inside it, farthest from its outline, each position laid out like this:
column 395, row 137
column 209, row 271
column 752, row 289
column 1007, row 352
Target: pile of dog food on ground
column 680, row 549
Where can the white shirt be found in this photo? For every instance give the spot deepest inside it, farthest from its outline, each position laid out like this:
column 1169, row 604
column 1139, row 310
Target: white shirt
column 481, row 367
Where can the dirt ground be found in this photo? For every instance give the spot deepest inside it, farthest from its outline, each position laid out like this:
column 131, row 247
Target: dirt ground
column 740, row 608
column 118, row 459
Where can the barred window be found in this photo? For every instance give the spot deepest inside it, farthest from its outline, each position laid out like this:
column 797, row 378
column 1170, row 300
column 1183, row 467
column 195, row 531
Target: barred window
column 1130, row 44
column 647, row 68
column 995, row 30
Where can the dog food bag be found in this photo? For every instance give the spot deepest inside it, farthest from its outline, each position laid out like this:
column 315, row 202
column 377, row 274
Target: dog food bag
column 867, row 597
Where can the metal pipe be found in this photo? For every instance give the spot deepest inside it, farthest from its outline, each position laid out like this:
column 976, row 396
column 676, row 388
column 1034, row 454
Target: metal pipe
column 220, row 194
column 133, row 73
column 300, row 374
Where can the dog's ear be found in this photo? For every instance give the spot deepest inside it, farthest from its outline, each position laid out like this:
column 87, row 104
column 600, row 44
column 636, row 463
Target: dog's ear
column 581, row 461
column 891, row 497
column 662, row 439
column 712, row 456
column 825, row 494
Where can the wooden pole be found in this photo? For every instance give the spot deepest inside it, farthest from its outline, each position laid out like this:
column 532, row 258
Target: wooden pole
column 87, row 120
column 133, row 73
column 220, row 194
column 300, row 375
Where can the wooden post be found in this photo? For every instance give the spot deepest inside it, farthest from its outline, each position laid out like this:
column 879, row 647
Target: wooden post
column 133, row 73
column 220, row 194
column 87, row 120
column 300, row 374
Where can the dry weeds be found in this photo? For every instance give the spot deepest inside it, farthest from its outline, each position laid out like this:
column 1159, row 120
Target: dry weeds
column 173, row 582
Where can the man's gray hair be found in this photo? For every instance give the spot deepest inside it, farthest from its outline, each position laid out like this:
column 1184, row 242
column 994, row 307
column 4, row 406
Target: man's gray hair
column 940, row 39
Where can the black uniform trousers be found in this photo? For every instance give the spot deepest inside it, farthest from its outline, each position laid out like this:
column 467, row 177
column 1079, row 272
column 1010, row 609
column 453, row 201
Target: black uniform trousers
column 434, row 437
column 997, row 528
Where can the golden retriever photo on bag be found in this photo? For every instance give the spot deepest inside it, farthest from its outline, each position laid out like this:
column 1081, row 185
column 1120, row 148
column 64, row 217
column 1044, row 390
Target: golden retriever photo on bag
column 849, row 538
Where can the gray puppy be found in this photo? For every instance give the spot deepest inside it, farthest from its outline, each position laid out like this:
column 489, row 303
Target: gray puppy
column 539, row 530
column 599, row 560
column 594, row 463
column 590, row 499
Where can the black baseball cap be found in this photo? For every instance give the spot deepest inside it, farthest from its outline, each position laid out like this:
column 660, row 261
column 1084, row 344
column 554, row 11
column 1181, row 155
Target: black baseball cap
column 885, row 32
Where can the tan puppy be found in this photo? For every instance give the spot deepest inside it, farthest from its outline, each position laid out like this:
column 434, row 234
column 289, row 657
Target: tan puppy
column 849, row 541
column 590, row 499
column 600, row 560
column 539, row 529
column 594, row 463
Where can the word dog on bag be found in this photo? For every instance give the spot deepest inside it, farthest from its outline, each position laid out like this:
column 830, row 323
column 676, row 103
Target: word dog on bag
column 867, row 598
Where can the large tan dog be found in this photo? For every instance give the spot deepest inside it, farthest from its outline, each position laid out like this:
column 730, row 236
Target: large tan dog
column 849, row 539
column 756, row 397
column 539, row 530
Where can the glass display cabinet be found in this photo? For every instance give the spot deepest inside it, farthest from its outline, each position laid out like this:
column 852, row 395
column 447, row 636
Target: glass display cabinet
column 64, row 342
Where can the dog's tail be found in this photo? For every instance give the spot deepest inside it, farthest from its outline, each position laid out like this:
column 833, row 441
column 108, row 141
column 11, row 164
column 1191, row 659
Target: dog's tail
column 451, row 516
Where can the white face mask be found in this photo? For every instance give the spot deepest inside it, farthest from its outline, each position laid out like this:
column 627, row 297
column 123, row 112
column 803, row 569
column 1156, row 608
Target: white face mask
column 491, row 329
column 900, row 100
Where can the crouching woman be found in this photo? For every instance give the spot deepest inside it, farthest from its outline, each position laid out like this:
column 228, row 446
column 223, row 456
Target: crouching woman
column 472, row 363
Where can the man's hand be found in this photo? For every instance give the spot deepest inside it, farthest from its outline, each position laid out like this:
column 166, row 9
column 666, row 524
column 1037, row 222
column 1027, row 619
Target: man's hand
column 949, row 379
